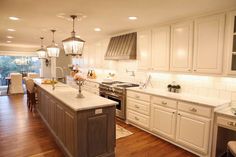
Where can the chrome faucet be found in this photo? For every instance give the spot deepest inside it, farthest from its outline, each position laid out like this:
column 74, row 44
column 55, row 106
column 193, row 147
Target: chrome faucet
column 146, row 83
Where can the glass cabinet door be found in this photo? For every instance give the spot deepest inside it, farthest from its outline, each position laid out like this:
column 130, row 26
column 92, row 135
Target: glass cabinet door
column 232, row 47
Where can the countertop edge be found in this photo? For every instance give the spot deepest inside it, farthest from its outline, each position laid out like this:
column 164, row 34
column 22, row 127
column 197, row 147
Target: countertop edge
column 182, row 99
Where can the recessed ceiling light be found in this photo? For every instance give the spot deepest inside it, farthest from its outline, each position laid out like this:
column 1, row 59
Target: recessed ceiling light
column 14, row 18
column 10, row 37
column 11, row 30
column 97, row 29
column 9, row 41
column 132, row 18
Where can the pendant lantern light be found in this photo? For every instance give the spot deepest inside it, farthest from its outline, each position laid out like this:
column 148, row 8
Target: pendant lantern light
column 42, row 53
column 53, row 49
column 73, row 45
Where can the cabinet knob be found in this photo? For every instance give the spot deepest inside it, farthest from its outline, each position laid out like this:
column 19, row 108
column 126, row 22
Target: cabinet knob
column 137, row 97
column 189, row 70
column 136, row 118
column 173, row 112
column 136, row 106
column 231, row 124
column 195, row 70
column 193, row 109
column 164, row 103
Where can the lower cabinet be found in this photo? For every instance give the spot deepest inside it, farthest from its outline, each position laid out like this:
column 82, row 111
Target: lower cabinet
column 163, row 121
column 193, row 131
column 184, row 123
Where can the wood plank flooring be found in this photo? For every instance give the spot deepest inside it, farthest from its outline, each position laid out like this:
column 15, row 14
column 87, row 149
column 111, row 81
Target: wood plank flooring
column 23, row 133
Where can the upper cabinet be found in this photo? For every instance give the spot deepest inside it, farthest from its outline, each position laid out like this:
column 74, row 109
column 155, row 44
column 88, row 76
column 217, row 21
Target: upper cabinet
column 208, row 44
column 153, row 49
column 144, row 49
column 231, row 48
column 205, row 54
column 160, row 48
column 181, row 46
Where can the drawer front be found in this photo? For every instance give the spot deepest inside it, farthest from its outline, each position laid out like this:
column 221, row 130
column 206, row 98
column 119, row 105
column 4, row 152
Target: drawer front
column 227, row 122
column 141, row 107
column 138, row 118
column 164, row 102
column 138, row 96
column 194, row 109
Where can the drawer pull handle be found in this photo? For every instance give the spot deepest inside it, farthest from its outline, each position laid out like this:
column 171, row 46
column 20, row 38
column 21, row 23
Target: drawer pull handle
column 137, row 97
column 136, row 106
column 164, row 103
column 193, row 110
column 173, row 112
column 232, row 124
column 136, row 118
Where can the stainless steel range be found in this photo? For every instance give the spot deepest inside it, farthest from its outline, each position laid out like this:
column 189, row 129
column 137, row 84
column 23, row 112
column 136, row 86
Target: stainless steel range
column 116, row 91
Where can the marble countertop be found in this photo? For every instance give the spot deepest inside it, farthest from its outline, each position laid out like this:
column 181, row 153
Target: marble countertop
column 226, row 112
column 207, row 101
column 67, row 95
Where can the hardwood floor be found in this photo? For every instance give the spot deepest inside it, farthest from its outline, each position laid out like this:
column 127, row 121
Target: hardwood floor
column 143, row 144
column 23, row 133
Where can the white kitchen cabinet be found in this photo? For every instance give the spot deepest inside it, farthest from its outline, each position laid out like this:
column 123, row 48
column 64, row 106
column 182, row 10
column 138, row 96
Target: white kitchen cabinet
column 181, row 47
column 231, row 46
column 160, row 48
column 193, row 132
column 163, row 121
column 138, row 109
column 98, row 55
column 208, row 44
column 92, row 56
column 92, row 87
column 144, row 49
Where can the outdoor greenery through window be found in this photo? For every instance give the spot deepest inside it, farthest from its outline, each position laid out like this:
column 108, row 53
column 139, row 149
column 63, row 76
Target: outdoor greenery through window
column 20, row 64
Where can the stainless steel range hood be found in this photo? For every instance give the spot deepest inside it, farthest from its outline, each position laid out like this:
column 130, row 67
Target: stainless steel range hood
column 122, row 47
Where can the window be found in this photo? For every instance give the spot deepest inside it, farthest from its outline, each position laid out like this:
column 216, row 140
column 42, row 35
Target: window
column 21, row 64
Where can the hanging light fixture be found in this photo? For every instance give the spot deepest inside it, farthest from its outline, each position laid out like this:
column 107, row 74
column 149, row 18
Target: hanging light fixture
column 42, row 53
column 73, row 45
column 53, row 49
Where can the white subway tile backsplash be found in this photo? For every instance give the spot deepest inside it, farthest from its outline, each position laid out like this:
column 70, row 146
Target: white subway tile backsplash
column 223, row 94
column 221, row 87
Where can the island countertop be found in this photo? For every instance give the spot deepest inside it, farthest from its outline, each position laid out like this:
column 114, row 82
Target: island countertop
column 67, row 95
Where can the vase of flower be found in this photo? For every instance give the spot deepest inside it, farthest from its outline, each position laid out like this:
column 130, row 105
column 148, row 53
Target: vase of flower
column 79, row 79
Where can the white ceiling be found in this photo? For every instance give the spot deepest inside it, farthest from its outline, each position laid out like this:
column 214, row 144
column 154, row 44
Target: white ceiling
column 39, row 16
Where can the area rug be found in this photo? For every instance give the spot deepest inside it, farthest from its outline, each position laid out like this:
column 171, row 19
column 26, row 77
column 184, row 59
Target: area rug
column 122, row 132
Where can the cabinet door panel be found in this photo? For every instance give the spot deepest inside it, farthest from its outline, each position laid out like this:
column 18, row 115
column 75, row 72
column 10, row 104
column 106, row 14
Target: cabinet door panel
column 144, row 49
column 60, row 124
column 193, row 132
column 163, row 121
column 161, row 48
column 181, row 47
column 52, row 114
column 70, row 133
column 208, row 44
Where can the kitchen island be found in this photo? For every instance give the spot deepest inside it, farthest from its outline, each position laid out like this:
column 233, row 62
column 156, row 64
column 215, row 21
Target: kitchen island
column 82, row 127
